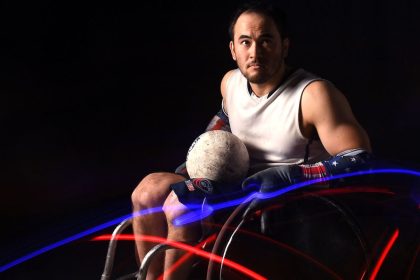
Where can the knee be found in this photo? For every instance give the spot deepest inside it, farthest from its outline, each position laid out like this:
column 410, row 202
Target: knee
column 153, row 190
column 150, row 191
column 173, row 208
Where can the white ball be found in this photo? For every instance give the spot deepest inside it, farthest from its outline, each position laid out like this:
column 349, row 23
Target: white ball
column 218, row 155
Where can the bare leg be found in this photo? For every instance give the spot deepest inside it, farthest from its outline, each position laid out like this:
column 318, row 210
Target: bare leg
column 152, row 192
column 188, row 233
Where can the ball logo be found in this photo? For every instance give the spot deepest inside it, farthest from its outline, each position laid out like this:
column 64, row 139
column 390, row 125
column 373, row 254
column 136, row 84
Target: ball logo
column 192, row 145
column 203, row 184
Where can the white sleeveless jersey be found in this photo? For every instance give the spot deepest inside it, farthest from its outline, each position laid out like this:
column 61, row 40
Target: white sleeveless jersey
column 269, row 125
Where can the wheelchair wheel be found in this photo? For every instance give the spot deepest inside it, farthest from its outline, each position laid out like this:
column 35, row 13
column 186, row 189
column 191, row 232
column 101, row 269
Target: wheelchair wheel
column 315, row 236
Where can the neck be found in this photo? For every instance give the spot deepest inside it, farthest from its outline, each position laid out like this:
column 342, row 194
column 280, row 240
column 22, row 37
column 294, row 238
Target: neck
column 265, row 88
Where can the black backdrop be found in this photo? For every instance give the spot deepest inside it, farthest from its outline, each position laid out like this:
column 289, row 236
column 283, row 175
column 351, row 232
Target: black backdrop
column 95, row 95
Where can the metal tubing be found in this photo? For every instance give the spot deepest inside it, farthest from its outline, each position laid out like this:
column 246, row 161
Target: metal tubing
column 109, row 261
column 148, row 258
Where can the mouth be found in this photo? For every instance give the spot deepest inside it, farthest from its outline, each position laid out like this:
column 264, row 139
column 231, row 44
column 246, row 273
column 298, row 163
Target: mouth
column 255, row 65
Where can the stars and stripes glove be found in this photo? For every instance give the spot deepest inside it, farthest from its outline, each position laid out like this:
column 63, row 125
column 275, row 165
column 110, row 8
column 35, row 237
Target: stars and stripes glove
column 193, row 191
column 277, row 177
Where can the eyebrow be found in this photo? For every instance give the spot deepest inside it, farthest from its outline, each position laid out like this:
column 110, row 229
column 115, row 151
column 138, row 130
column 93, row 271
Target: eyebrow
column 267, row 35
column 244, row 37
column 264, row 35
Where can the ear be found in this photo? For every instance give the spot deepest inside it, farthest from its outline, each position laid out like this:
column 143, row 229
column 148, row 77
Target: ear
column 286, row 44
column 232, row 50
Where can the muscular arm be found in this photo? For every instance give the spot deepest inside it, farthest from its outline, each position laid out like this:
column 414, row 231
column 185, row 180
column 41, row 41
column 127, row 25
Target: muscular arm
column 223, row 88
column 325, row 109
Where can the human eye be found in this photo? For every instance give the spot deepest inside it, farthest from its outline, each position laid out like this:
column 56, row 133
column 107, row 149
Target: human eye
column 266, row 42
column 244, row 43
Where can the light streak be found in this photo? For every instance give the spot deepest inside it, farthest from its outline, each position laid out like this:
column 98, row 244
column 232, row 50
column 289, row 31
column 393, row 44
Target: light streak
column 355, row 189
column 192, row 249
column 334, row 177
column 413, row 262
column 76, row 237
column 194, row 216
column 185, row 257
column 384, row 254
column 197, row 215
column 288, row 248
column 130, row 237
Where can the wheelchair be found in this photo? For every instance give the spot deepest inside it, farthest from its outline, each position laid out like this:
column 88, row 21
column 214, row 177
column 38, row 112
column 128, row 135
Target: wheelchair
column 354, row 231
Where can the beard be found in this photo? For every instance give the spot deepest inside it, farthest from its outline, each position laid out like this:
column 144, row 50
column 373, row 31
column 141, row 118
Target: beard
column 257, row 78
column 264, row 74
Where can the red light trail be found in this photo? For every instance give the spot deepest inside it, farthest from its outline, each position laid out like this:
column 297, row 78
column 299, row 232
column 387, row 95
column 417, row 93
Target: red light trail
column 384, row 254
column 288, row 248
column 184, row 258
column 188, row 248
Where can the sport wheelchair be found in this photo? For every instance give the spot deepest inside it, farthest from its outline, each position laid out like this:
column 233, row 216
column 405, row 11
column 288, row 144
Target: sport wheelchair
column 357, row 231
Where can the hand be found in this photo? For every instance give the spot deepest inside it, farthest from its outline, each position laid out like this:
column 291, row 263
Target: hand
column 193, row 190
column 196, row 189
column 269, row 180
column 272, row 178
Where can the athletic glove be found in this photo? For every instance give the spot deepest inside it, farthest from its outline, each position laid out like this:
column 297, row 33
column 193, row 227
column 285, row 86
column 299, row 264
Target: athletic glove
column 193, row 191
column 275, row 178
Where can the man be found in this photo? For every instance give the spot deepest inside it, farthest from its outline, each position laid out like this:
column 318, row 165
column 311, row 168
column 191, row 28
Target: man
column 290, row 120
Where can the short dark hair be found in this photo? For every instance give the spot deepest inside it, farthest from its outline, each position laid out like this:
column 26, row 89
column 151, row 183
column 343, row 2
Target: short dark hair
column 266, row 8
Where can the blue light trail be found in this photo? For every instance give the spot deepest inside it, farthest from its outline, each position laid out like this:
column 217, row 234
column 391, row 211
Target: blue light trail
column 196, row 215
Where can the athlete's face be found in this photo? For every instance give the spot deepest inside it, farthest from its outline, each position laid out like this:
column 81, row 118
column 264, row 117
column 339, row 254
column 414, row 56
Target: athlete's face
column 258, row 48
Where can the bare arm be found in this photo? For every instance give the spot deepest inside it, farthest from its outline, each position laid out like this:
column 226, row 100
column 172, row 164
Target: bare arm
column 223, row 88
column 326, row 109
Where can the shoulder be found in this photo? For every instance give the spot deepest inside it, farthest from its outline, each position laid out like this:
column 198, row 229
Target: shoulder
column 223, row 87
column 326, row 109
column 322, row 93
column 320, row 89
column 321, row 100
column 223, row 84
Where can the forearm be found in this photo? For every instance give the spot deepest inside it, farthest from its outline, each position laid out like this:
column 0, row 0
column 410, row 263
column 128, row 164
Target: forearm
column 278, row 177
column 344, row 162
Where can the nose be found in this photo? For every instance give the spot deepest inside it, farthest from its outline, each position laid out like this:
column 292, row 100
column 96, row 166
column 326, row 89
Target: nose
column 254, row 50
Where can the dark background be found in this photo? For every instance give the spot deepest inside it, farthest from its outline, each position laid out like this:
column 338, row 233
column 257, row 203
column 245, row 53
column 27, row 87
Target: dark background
column 95, row 95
